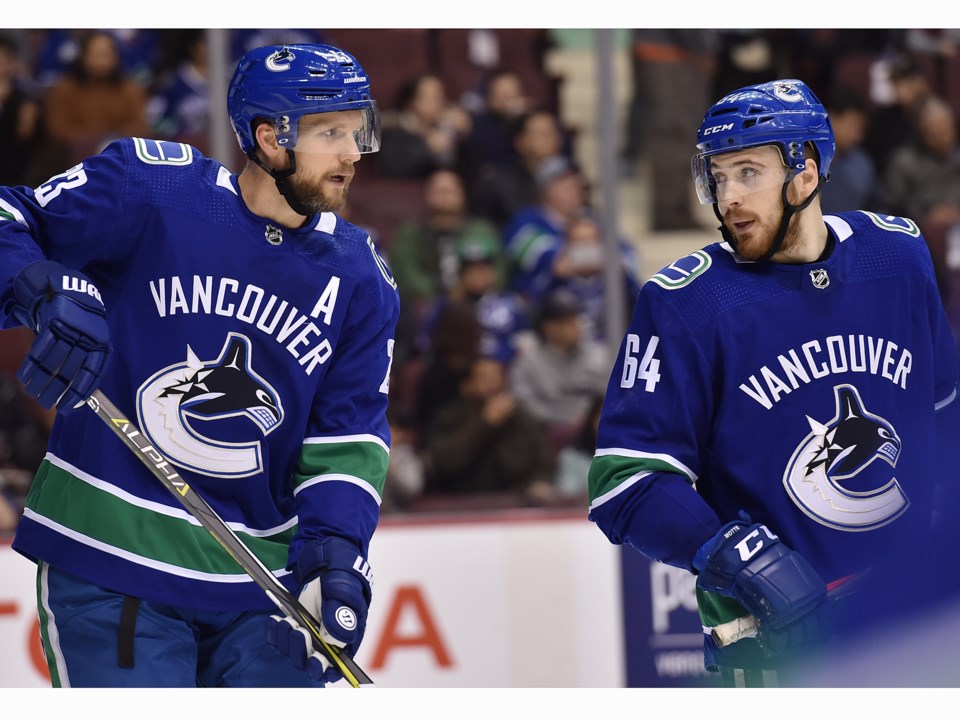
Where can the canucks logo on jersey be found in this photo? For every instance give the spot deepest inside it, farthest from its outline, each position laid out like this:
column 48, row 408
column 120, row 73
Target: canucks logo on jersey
column 172, row 400
column 838, row 451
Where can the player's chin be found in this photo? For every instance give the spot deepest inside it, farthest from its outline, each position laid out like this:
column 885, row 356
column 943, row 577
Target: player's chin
column 336, row 200
column 751, row 247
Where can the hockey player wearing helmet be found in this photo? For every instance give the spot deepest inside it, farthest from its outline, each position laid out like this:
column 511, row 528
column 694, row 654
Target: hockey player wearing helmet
column 747, row 436
column 249, row 329
column 303, row 115
column 765, row 153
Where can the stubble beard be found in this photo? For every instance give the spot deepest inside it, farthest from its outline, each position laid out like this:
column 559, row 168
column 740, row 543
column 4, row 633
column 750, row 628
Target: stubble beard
column 758, row 241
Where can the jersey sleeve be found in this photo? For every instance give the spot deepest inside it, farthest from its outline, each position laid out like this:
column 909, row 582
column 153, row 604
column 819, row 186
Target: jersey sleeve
column 73, row 218
column 654, row 421
column 339, row 479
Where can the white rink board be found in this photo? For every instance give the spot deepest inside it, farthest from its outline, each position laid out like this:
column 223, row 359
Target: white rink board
column 530, row 601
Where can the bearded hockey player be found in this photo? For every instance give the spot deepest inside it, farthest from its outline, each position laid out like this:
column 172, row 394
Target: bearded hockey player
column 249, row 329
column 771, row 421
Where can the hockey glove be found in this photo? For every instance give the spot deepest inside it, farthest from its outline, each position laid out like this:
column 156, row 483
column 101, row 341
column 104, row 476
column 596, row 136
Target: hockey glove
column 337, row 585
column 67, row 358
column 776, row 584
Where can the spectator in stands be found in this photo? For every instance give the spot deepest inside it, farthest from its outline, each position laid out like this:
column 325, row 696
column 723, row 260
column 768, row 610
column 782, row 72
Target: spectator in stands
column 483, row 441
column 179, row 109
column 61, row 49
column 454, row 342
column 501, row 315
column 923, row 181
column 499, row 192
column 579, row 267
column 423, row 251
column 19, row 115
column 425, row 132
column 853, row 175
column 923, row 178
column 895, row 125
column 95, row 101
column 534, row 235
column 671, row 75
column 573, row 461
column 556, row 377
column 490, row 141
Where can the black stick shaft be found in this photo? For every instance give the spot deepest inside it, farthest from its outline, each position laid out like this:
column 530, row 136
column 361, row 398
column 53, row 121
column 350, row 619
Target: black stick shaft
column 166, row 473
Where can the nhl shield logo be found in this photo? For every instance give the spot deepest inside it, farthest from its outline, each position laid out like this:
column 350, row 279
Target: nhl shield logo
column 819, row 278
column 274, row 235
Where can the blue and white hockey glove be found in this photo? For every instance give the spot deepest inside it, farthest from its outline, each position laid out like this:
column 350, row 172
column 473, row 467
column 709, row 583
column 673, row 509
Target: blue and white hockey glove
column 777, row 585
column 337, row 587
column 67, row 358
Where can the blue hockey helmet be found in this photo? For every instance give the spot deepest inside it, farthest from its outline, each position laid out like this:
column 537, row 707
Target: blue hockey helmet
column 285, row 82
column 783, row 113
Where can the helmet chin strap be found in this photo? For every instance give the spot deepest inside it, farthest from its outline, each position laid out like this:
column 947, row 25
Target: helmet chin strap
column 280, row 178
column 788, row 212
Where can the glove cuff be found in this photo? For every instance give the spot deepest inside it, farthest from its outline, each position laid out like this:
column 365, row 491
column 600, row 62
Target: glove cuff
column 703, row 554
column 32, row 288
column 39, row 282
column 333, row 553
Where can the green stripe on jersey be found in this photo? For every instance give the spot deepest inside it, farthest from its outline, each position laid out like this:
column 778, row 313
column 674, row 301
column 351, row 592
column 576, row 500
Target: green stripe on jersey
column 364, row 460
column 608, row 472
column 152, row 536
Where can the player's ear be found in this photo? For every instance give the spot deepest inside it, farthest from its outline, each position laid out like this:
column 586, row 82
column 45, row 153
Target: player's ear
column 811, row 173
column 805, row 182
column 266, row 138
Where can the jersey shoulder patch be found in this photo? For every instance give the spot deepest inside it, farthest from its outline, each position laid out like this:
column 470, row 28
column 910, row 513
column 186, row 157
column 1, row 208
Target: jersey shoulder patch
column 892, row 223
column 684, row 271
column 162, row 152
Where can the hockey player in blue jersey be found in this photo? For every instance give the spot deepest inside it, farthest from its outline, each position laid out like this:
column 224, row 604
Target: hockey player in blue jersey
column 770, row 423
column 249, row 329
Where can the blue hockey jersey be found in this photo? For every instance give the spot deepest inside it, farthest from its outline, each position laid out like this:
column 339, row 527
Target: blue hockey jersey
column 255, row 357
column 804, row 395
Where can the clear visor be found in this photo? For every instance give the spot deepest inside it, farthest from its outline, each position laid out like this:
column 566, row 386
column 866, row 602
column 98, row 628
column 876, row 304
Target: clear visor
column 720, row 178
column 345, row 132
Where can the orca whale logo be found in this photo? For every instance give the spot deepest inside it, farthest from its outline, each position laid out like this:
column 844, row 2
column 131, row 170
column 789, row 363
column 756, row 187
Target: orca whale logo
column 176, row 402
column 836, row 452
column 280, row 60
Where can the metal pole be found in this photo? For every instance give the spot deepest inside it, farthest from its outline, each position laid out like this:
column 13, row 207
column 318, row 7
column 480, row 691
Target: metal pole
column 222, row 140
column 616, row 321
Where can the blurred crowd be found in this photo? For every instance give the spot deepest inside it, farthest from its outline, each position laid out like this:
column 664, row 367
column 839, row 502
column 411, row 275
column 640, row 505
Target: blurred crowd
column 485, row 214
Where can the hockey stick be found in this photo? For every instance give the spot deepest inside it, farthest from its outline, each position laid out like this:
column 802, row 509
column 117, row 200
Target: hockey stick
column 747, row 626
column 223, row 534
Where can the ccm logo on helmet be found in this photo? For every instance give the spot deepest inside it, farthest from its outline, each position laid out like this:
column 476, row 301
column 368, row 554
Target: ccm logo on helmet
column 718, row 128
